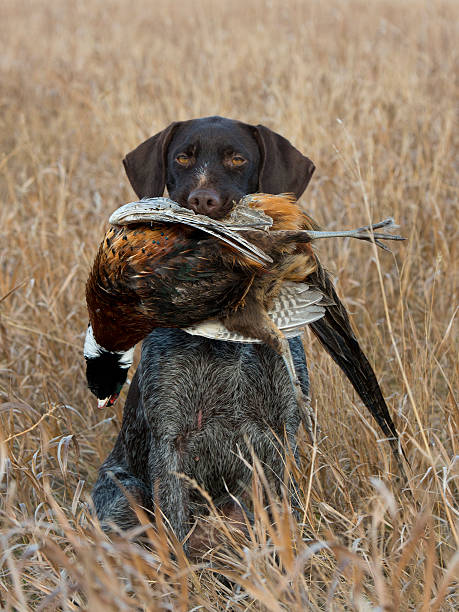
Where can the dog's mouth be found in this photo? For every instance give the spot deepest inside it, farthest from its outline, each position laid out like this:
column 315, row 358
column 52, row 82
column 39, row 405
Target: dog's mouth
column 222, row 212
column 209, row 203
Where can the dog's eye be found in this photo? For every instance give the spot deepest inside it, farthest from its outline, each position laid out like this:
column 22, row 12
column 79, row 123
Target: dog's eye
column 183, row 160
column 237, row 160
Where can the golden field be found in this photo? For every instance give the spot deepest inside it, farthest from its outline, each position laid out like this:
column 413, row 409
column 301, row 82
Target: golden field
column 368, row 90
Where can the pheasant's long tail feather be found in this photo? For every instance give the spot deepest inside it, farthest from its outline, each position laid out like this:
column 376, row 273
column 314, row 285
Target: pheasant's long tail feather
column 336, row 336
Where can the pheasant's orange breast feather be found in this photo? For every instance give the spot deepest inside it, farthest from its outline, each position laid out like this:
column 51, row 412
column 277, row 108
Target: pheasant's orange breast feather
column 283, row 210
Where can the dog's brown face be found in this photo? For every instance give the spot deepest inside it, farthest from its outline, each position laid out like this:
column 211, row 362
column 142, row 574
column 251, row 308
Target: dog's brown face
column 211, row 165
column 208, row 164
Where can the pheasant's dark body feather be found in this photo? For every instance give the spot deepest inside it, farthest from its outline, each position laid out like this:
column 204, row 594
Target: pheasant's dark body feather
column 165, row 276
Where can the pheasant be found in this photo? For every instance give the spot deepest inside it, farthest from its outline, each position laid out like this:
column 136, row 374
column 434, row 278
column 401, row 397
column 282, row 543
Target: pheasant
column 252, row 277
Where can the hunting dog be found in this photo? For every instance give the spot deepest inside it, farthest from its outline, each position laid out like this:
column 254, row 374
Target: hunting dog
column 196, row 406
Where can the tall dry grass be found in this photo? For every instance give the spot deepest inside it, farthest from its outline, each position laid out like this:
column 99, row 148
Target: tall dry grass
column 368, row 91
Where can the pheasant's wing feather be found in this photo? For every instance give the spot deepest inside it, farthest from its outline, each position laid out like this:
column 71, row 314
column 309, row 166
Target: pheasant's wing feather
column 336, row 336
column 296, row 306
column 163, row 210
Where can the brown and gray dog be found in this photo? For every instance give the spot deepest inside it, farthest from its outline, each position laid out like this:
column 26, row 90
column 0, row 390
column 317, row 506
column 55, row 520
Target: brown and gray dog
column 197, row 406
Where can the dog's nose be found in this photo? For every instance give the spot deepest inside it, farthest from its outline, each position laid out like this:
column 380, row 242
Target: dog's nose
column 205, row 202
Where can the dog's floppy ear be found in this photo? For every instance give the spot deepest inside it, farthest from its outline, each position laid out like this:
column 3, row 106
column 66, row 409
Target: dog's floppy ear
column 283, row 168
column 146, row 165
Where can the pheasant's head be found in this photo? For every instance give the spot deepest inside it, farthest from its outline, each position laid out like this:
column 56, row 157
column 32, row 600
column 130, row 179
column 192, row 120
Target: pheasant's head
column 106, row 371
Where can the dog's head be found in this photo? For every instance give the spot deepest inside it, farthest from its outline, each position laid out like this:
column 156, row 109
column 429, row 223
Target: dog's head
column 208, row 164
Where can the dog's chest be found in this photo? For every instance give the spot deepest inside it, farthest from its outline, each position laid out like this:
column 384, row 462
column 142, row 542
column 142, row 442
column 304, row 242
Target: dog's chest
column 210, row 403
column 201, row 391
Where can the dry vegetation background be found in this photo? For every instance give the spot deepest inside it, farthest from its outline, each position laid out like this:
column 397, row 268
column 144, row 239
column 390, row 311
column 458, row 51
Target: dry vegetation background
column 82, row 84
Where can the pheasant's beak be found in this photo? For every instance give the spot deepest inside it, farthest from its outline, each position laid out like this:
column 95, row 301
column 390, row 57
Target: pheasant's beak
column 108, row 401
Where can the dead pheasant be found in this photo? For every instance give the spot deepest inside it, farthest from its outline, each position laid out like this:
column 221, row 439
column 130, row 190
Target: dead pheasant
column 251, row 278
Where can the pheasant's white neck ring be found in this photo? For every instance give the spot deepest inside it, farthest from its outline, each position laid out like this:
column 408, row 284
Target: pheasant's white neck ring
column 93, row 350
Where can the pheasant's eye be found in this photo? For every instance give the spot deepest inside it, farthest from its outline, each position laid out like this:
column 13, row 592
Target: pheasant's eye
column 237, row 160
column 183, row 159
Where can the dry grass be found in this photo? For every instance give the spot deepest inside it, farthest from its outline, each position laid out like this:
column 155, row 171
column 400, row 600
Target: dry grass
column 82, row 84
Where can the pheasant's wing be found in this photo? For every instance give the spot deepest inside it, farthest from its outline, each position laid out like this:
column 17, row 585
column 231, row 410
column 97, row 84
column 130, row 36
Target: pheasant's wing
column 336, row 336
column 163, row 210
column 296, row 306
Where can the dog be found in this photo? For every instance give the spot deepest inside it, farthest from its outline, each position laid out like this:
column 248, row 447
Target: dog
column 196, row 406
